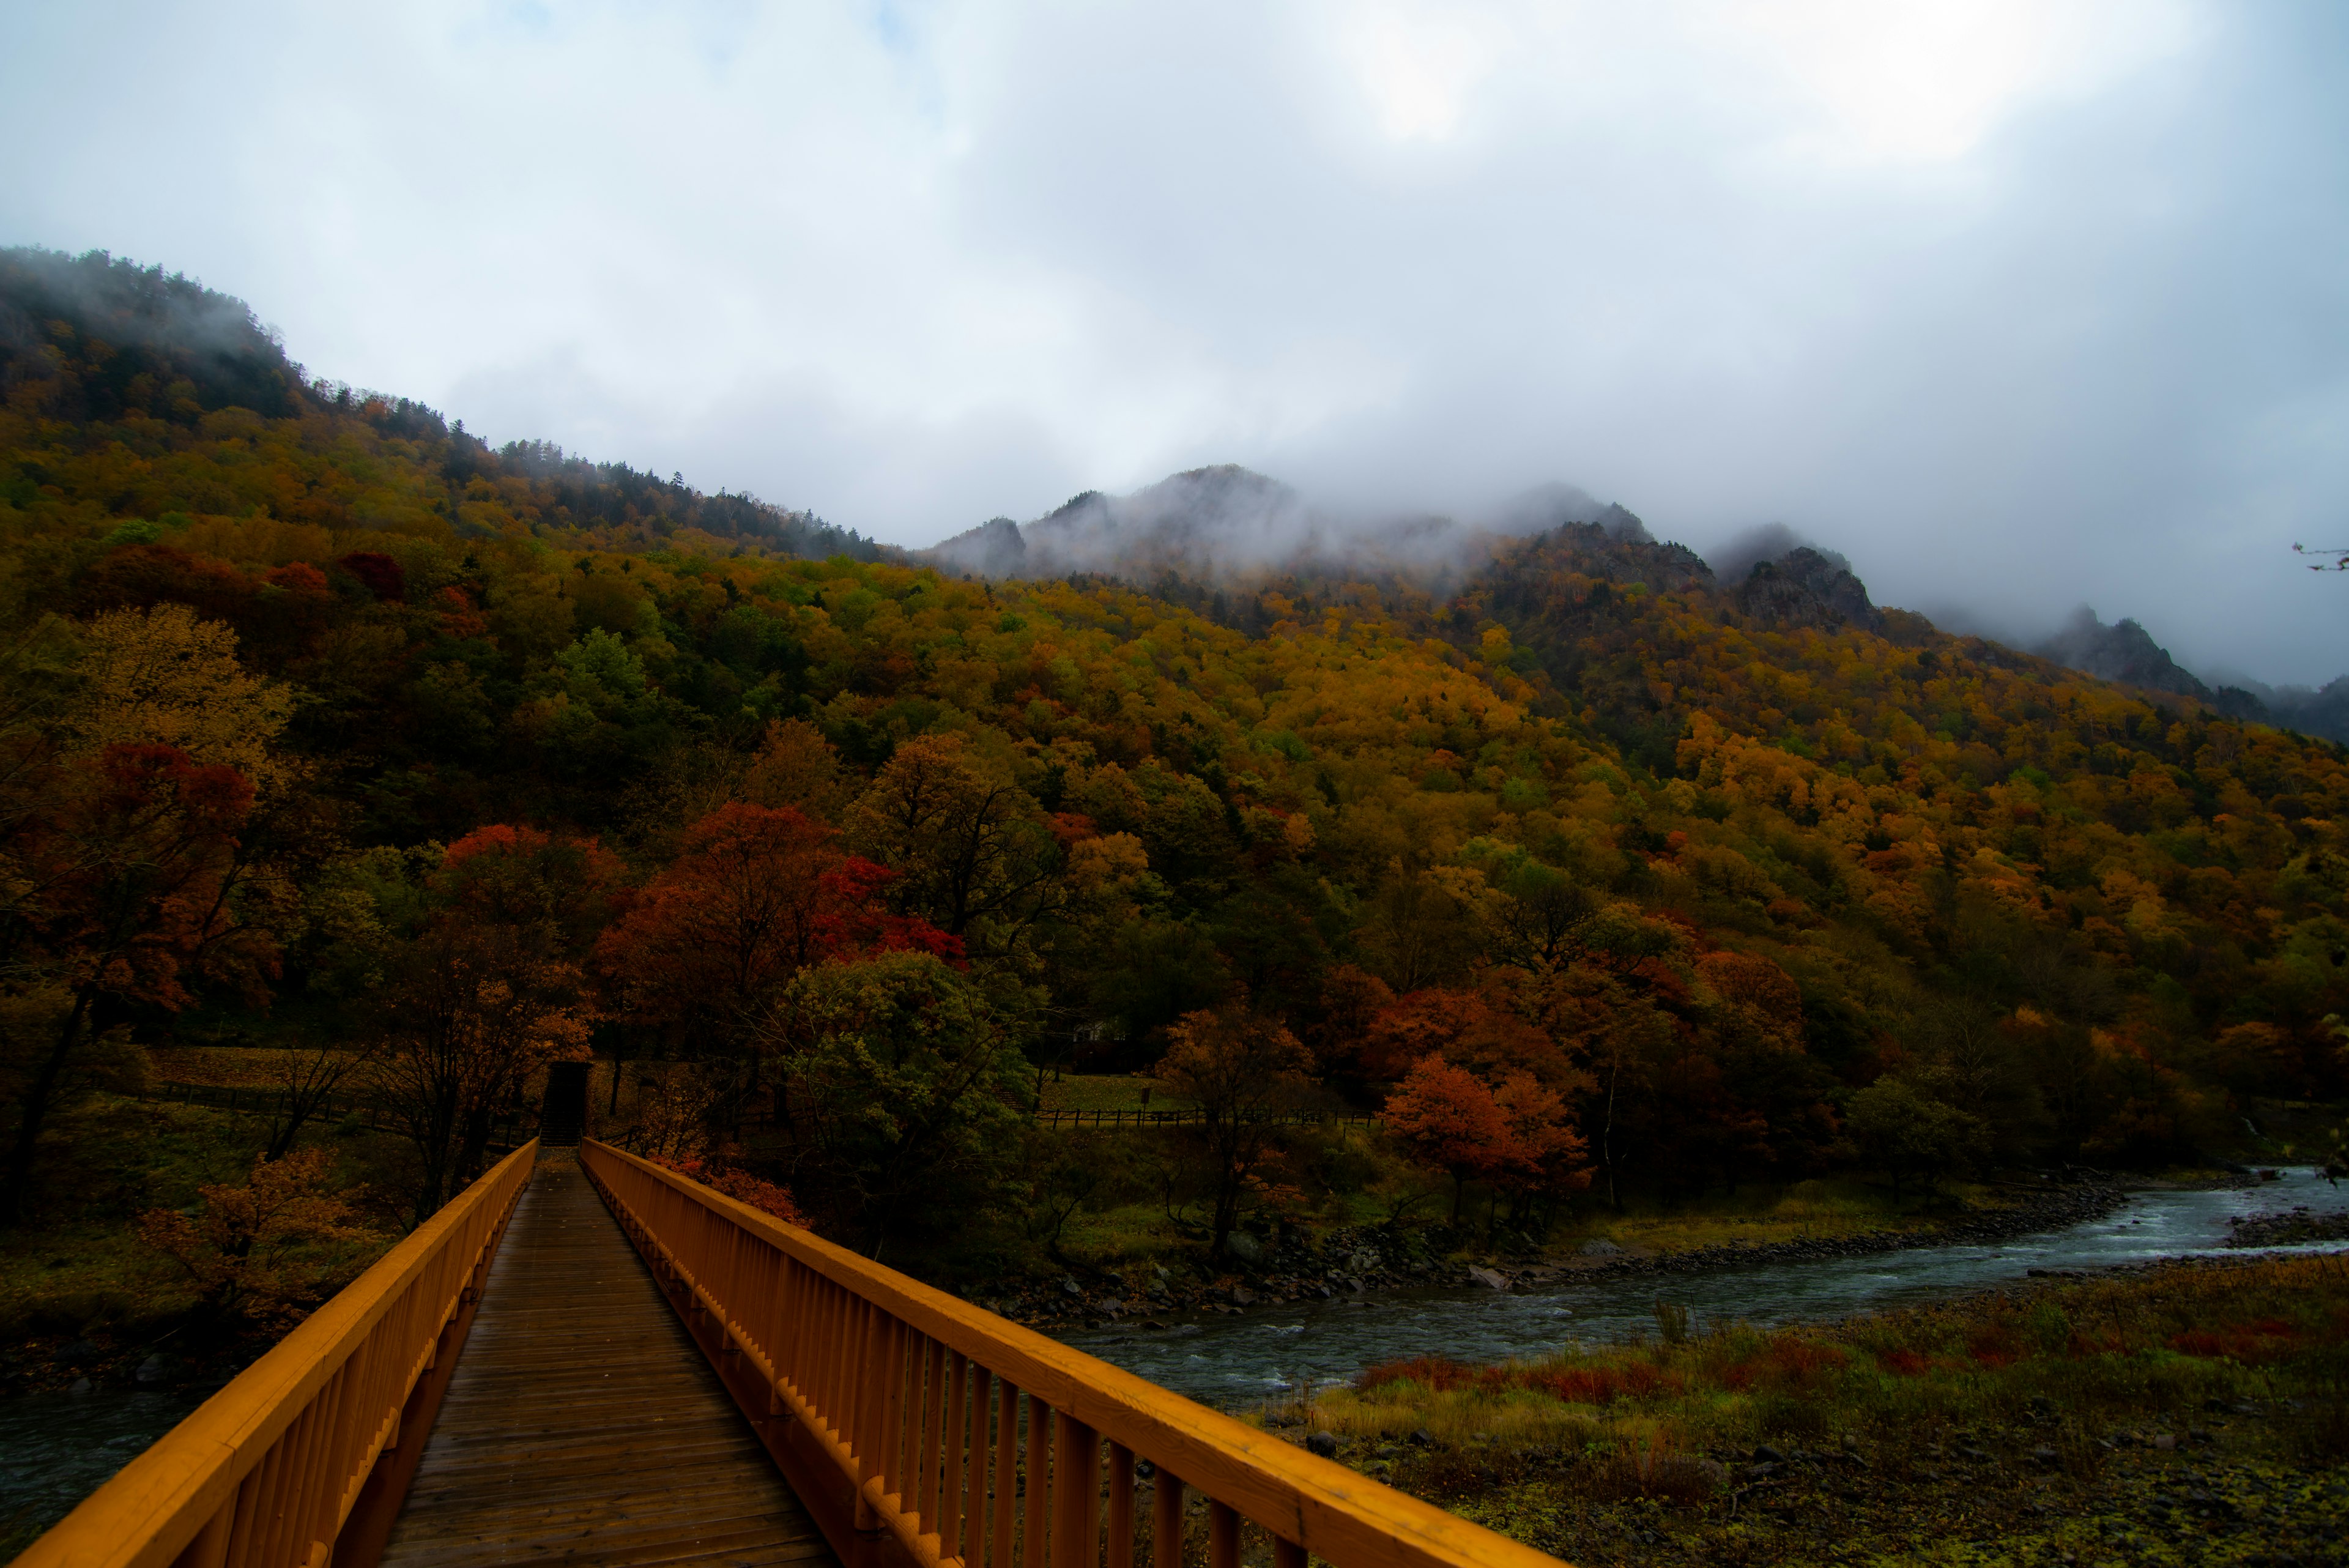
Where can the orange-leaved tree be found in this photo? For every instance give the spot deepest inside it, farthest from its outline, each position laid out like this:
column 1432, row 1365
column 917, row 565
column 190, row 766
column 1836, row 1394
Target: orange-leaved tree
column 1468, row 1029
column 1240, row 1069
column 755, row 895
column 121, row 870
column 1450, row 1121
column 488, row 989
column 1548, row 1158
column 756, row 1192
column 269, row 1249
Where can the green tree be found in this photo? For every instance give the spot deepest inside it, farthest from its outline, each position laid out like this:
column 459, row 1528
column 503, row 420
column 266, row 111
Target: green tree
column 1907, row 1132
column 970, row 848
column 900, row 1090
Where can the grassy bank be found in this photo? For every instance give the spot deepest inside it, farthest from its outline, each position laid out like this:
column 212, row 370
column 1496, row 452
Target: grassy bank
column 78, row 1273
column 2189, row 1413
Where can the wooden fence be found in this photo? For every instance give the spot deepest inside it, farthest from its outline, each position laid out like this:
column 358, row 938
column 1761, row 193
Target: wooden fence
column 920, row 1429
column 303, row 1459
column 513, row 1126
column 1194, row 1118
column 268, row 1100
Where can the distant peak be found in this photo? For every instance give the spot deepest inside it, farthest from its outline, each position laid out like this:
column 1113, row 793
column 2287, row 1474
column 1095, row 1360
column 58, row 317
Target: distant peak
column 2123, row 651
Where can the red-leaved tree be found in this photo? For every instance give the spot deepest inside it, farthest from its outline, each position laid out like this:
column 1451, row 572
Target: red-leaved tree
column 118, row 875
column 755, row 895
column 1450, row 1122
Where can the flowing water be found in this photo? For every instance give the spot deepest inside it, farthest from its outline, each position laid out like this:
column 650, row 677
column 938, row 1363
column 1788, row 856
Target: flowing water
column 1241, row 1362
column 56, row 1448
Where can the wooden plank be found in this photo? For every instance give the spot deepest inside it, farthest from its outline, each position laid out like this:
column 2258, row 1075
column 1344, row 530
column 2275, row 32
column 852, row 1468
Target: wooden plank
column 583, row 1424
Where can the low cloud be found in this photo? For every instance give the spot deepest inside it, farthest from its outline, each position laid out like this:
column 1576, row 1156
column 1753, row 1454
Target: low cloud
column 1741, row 554
column 2033, row 309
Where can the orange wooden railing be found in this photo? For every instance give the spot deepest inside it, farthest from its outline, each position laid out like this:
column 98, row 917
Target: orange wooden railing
column 304, row 1458
column 918, row 1427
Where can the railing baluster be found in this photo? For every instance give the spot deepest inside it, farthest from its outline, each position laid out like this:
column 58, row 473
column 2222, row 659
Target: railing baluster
column 922, row 1425
column 1165, row 1520
column 900, row 1385
column 889, row 1443
column 1121, row 1507
column 840, row 1368
column 1223, row 1535
column 844, row 1368
column 845, row 1373
column 210, row 1548
column 269, row 1513
column 1007, row 1483
column 1034, row 1551
column 951, row 1457
column 1076, row 1493
column 249, row 1503
column 974, row 1472
column 819, row 1354
column 865, row 1397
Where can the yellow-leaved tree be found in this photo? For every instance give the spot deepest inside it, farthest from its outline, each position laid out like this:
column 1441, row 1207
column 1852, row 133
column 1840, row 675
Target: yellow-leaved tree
column 128, row 876
column 166, row 676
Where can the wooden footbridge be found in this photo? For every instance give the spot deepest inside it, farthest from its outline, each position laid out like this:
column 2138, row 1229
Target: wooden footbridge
column 589, row 1359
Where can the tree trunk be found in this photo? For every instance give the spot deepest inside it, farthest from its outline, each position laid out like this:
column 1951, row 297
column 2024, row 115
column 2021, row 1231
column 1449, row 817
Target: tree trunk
column 1607, row 1136
column 35, row 1110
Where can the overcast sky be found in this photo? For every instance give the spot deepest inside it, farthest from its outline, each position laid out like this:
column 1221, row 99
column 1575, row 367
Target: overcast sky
column 2018, row 304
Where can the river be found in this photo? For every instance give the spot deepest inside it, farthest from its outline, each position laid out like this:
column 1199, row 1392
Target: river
column 1241, row 1362
column 56, row 1448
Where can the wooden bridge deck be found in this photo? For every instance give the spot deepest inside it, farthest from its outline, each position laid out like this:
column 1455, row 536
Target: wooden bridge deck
column 583, row 1425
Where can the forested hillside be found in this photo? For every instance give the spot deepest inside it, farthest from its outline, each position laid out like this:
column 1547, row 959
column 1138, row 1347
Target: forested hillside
column 326, row 725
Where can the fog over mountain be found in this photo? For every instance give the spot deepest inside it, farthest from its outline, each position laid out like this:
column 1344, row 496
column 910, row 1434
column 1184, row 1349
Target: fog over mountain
column 2016, row 303
column 1226, row 519
column 1228, row 523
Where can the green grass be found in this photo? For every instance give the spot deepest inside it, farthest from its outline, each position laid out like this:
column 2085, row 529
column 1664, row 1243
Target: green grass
column 1760, row 1214
column 1104, row 1092
column 230, row 1066
column 77, row 1267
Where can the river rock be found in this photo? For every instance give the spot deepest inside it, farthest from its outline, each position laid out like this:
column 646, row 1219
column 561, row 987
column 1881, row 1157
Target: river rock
column 1682, row 1474
column 1600, row 1247
column 1322, row 1443
column 1244, row 1247
column 1496, row 1280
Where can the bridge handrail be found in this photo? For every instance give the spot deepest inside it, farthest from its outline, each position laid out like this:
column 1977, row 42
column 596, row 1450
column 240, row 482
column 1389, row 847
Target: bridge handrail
column 266, row 1473
column 892, row 1378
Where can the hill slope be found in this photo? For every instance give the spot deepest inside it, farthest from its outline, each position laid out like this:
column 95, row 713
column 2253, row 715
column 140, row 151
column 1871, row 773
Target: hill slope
column 1701, row 869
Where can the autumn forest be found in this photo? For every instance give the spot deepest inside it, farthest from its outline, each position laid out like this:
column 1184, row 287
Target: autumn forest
column 411, row 765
